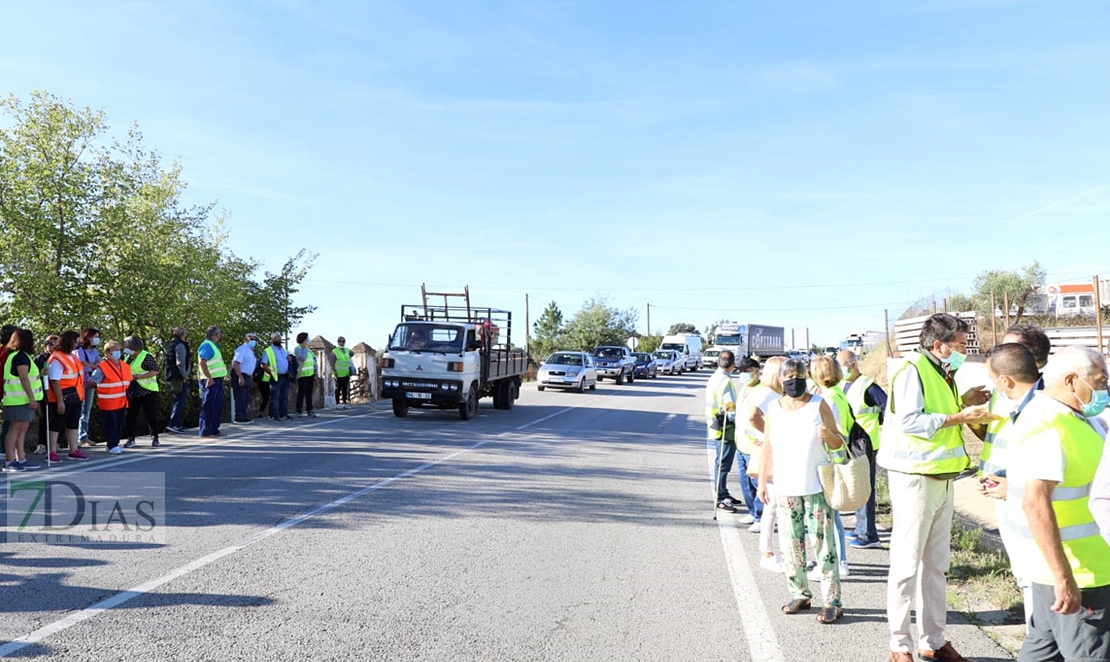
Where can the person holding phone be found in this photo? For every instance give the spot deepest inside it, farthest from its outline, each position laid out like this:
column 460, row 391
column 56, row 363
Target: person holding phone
column 1013, row 371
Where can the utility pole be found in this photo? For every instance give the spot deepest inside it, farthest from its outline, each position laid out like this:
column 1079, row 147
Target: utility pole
column 649, row 319
column 1006, row 308
column 994, row 321
column 527, row 328
column 1098, row 317
column 886, row 331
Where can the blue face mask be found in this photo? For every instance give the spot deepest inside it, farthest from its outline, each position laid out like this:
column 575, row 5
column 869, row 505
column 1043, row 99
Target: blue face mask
column 116, row 354
column 95, row 341
column 1099, row 400
column 252, row 343
column 955, row 361
column 128, row 352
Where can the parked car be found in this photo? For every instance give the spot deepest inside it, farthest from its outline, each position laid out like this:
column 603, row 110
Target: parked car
column 668, row 361
column 615, row 362
column 573, row 370
column 645, row 366
column 709, row 358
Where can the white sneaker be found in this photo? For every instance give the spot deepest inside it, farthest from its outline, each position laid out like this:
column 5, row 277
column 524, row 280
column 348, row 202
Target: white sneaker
column 755, row 528
column 40, row 450
column 771, row 563
column 843, row 568
column 747, row 519
column 115, row 451
column 815, row 574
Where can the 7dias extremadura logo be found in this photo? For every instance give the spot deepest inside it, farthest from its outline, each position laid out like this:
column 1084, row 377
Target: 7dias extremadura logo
column 87, row 508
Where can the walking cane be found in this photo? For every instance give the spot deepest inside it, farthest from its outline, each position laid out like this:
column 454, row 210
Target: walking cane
column 46, row 385
column 717, row 472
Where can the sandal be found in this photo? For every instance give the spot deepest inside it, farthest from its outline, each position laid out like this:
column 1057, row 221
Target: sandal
column 829, row 615
column 795, row 606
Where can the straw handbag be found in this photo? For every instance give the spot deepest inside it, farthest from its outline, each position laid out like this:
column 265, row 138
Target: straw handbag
column 847, row 487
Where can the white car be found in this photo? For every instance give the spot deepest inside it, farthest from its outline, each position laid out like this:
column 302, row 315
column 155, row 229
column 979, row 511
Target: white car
column 573, row 370
column 709, row 358
column 669, row 361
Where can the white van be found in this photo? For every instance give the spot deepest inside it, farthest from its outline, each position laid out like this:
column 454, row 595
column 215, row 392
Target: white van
column 686, row 344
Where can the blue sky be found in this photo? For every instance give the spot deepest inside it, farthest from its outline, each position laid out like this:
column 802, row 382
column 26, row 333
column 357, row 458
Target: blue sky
column 804, row 164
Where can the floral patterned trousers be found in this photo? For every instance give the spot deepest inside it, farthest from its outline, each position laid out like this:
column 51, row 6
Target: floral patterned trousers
column 798, row 514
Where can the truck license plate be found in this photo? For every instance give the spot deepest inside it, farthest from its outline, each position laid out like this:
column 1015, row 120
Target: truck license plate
column 418, row 396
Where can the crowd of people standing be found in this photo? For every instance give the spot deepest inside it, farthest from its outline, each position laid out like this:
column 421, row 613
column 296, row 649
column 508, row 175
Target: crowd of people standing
column 70, row 377
column 1043, row 426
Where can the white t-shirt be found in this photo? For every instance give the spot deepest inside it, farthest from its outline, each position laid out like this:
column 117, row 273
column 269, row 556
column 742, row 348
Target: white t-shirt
column 796, row 447
column 244, row 354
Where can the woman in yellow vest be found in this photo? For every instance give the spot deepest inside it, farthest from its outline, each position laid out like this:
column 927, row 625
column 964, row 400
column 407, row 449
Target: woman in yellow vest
column 22, row 392
column 306, row 375
column 142, row 395
column 827, row 375
column 343, row 368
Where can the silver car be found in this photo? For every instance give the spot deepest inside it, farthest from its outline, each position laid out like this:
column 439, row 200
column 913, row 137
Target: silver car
column 573, row 370
column 669, row 362
column 709, row 358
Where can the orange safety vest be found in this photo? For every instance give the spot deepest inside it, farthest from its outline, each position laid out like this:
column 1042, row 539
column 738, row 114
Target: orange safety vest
column 111, row 394
column 73, row 375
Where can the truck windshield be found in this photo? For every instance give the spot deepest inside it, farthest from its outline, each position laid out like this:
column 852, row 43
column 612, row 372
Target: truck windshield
column 428, row 338
column 609, row 353
column 728, row 339
column 675, row 346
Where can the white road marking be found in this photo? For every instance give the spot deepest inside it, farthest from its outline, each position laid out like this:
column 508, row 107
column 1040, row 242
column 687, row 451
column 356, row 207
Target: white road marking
column 125, row 596
column 758, row 631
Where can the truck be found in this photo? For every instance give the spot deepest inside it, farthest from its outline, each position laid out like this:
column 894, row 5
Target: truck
column 742, row 340
column 688, row 345
column 615, row 362
column 451, row 356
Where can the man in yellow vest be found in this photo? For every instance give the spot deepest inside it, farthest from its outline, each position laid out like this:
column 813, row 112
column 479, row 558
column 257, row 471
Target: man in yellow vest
column 342, row 368
column 213, row 370
column 1058, row 545
column 922, row 449
column 720, row 417
column 1012, row 370
column 868, row 402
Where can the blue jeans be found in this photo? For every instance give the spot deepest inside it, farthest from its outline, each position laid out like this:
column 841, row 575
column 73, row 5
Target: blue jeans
column 86, row 409
column 723, row 464
column 279, row 397
column 113, row 425
column 865, row 517
column 177, row 409
column 211, row 406
column 242, row 398
column 841, row 543
column 748, row 486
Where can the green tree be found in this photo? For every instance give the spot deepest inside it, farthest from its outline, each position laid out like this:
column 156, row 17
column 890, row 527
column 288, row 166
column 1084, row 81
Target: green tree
column 682, row 327
column 1019, row 286
column 547, row 331
column 597, row 323
column 649, row 343
column 95, row 235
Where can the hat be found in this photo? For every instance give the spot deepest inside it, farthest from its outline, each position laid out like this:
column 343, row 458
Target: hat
column 342, row 339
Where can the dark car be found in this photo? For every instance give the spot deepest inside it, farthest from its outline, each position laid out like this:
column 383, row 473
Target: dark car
column 645, row 366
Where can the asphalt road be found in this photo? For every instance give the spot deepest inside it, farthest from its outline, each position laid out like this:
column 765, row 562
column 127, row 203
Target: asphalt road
column 574, row 527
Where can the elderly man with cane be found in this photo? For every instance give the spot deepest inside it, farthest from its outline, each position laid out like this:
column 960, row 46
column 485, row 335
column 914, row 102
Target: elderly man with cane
column 720, row 417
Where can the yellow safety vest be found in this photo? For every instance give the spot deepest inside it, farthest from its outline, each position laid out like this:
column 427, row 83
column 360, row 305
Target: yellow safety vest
column 149, row 383
column 843, row 411
column 342, row 361
column 271, row 374
column 308, row 368
column 14, row 393
column 867, row 417
column 1087, row 551
column 715, row 401
column 994, row 428
column 216, row 366
column 940, row 455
